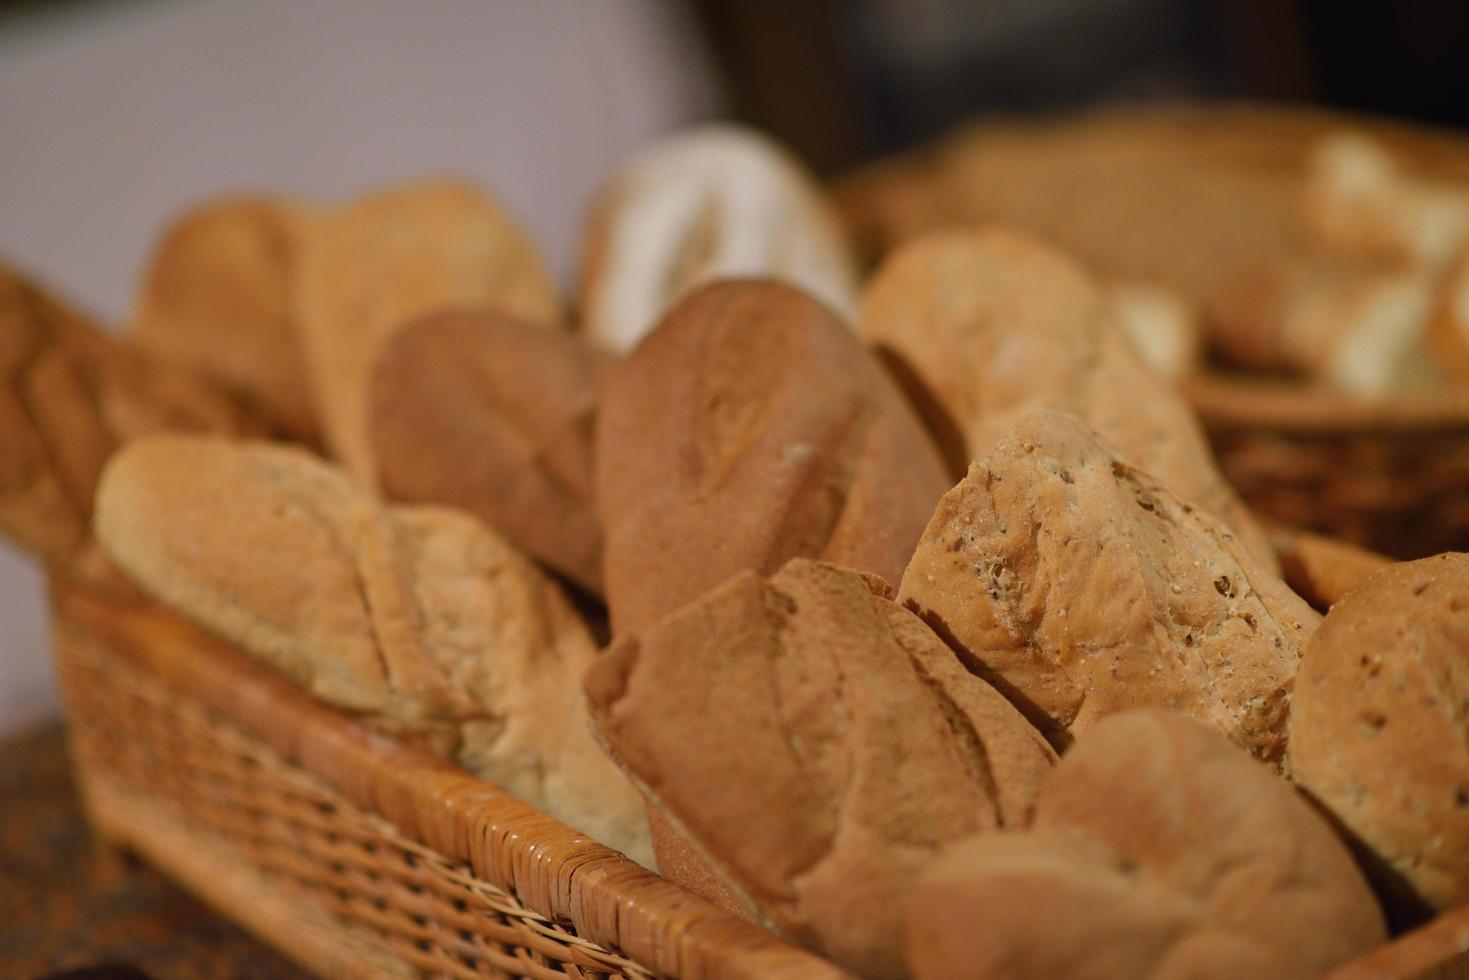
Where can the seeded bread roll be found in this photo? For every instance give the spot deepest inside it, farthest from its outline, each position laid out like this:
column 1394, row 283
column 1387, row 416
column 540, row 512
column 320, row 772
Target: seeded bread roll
column 494, row 416
column 216, row 298
column 419, row 617
column 1083, row 587
column 69, row 395
column 1379, row 733
column 750, row 428
column 388, row 258
column 1157, row 851
column 713, row 202
column 994, row 323
column 816, row 743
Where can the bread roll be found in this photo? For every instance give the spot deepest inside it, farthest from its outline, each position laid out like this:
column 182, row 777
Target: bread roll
column 216, row 298
column 750, row 428
column 995, row 324
column 1360, row 330
column 1158, row 851
column 419, row 617
column 390, row 257
column 1083, row 587
column 1379, row 733
column 1360, row 205
column 71, row 395
column 816, row 743
column 714, row 202
column 494, row 416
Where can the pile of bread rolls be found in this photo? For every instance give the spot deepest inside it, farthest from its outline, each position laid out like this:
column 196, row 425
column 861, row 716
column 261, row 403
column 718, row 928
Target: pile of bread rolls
column 907, row 617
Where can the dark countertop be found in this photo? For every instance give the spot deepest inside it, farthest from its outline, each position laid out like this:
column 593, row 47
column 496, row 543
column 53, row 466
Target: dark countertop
column 66, row 904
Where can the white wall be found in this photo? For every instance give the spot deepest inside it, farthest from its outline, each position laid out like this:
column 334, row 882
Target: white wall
column 112, row 116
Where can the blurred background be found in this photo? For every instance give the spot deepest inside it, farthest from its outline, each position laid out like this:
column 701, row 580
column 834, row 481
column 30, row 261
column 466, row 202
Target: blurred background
column 116, row 114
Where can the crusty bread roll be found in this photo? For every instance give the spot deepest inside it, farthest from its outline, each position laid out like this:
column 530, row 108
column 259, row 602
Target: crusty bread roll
column 216, row 298
column 1359, row 204
column 1359, row 329
column 1161, row 325
column 816, row 743
column 494, row 416
column 70, row 395
column 750, row 428
column 995, row 324
column 390, row 257
column 1083, row 587
column 1158, row 851
column 1379, row 732
column 713, row 202
column 420, row 617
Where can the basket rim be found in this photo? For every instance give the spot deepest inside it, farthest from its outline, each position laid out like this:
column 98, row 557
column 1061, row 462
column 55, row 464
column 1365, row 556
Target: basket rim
column 552, row 869
column 1225, row 399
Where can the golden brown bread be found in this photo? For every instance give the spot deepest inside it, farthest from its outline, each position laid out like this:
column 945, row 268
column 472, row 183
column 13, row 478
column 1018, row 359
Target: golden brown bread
column 494, row 416
column 750, row 428
column 420, row 617
column 70, row 395
column 1083, row 587
column 216, row 298
column 996, row 323
column 711, row 202
column 1380, row 726
column 816, row 743
column 387, row 258
column 1157, row 851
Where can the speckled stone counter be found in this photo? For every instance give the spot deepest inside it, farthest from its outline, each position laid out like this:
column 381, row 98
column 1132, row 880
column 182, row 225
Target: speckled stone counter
column 66, row 905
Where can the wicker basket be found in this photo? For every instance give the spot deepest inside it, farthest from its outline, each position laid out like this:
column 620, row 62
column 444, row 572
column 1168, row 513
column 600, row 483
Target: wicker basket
column 355, row 855
column 1393, row 476
column 1195, row 198
column 360, row 857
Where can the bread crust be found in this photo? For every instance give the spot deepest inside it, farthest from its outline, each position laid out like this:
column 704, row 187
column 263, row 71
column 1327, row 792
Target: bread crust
column 998, row 323
column 419, row 618
column 1081, row 586
column 70, row 395
column 1158, row 850
column 1379, row 733
column 815, row 743
column 495, row 416
column 387, row 258
column 216, row 298
column 750, row 428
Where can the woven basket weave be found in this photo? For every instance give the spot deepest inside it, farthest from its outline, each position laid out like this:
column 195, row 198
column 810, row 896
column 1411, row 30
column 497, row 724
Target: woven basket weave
column 355, row 855
column 1196, row 198
column 360, row 857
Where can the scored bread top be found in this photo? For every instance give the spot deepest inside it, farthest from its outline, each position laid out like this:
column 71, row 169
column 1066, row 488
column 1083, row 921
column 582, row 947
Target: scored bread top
column 420, row 617
column 750, row 428
column 816, row 743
